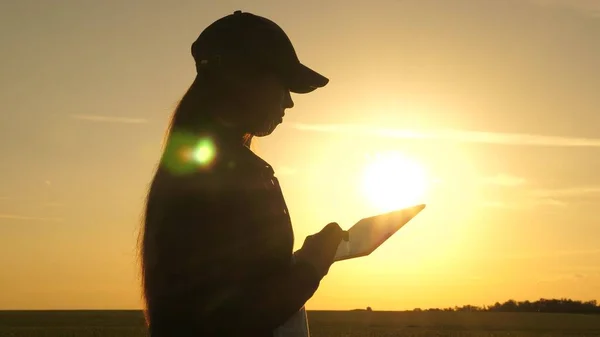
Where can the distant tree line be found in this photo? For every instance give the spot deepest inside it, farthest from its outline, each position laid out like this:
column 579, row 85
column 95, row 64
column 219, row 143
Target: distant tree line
column 542, row 305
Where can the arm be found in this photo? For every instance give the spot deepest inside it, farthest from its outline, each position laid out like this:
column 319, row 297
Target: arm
column 248, row 282
column 263, row 306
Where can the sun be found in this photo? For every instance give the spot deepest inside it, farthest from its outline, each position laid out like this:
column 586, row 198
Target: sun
column 393, row 180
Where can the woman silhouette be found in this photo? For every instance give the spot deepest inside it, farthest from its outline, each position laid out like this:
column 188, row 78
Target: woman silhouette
column 217, row 242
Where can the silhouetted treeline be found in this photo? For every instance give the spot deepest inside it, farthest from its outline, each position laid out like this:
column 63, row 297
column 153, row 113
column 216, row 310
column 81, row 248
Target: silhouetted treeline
column 542, row 305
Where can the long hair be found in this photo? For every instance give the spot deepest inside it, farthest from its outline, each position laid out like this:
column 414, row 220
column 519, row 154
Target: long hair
column 191, row 114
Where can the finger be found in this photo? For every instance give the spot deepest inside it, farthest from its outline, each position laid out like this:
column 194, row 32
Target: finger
column 337, row 233
column 332, row 227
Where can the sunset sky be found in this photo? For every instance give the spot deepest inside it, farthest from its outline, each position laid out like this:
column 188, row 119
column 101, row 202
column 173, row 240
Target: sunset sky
column 494, row 104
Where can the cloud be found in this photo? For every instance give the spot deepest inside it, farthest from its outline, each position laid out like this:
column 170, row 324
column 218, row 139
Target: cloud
column 568, row 192
column 28, row 218
column 550, row 202
column 496, row 204
column 562, row 278
column 53, row 204
column 38, row 202
column 589, row 7
column 529, row 198
column 553, row 254
column 454, row 135
column 504, row 179
column 110, row 119
column 522, row 203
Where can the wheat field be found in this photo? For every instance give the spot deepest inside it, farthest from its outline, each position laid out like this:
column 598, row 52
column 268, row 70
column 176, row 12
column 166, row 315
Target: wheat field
column 322, row 324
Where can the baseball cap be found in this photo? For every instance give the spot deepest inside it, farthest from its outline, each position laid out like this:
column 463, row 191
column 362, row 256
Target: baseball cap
column 257, row 42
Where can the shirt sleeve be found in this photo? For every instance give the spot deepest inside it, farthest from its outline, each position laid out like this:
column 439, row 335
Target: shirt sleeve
column 242, row 276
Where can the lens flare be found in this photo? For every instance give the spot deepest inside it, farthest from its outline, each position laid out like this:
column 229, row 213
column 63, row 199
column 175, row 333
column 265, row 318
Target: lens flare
column 204, row 152
column 186, row 153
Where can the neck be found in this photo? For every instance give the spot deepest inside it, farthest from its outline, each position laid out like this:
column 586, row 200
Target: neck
column 218, row 121
column 228, row 132
column 224, row 117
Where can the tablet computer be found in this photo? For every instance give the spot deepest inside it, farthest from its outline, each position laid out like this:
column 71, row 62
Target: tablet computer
column 370, row 233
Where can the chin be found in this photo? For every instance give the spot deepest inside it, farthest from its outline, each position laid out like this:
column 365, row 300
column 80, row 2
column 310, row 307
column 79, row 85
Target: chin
column 266, row 130
column 263, row 133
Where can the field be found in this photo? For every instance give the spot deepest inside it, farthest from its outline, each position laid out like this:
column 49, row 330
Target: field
column 322, row 324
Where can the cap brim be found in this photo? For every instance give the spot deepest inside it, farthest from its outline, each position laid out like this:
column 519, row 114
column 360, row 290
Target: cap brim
column 305, row 80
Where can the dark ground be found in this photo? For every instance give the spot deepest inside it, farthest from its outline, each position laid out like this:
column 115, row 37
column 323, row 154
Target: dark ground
column 322, row 324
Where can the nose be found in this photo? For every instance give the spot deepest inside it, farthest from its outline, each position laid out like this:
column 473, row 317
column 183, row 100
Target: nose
column 288, row 103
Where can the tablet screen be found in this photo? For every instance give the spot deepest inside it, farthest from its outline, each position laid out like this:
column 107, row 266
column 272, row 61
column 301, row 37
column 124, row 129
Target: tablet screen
column 369, row 233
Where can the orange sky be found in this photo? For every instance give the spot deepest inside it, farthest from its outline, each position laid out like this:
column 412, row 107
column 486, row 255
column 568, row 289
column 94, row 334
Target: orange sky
column 496, row 101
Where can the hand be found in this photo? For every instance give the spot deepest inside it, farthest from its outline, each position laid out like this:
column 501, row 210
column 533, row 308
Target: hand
column 319, row 249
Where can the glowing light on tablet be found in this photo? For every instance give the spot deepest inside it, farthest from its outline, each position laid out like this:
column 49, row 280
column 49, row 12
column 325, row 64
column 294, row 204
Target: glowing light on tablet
column 392, row 181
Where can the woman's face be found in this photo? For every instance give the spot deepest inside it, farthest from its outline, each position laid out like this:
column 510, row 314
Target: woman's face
column 261, row 103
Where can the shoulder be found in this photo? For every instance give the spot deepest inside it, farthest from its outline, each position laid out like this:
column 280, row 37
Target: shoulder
column 233, row 171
